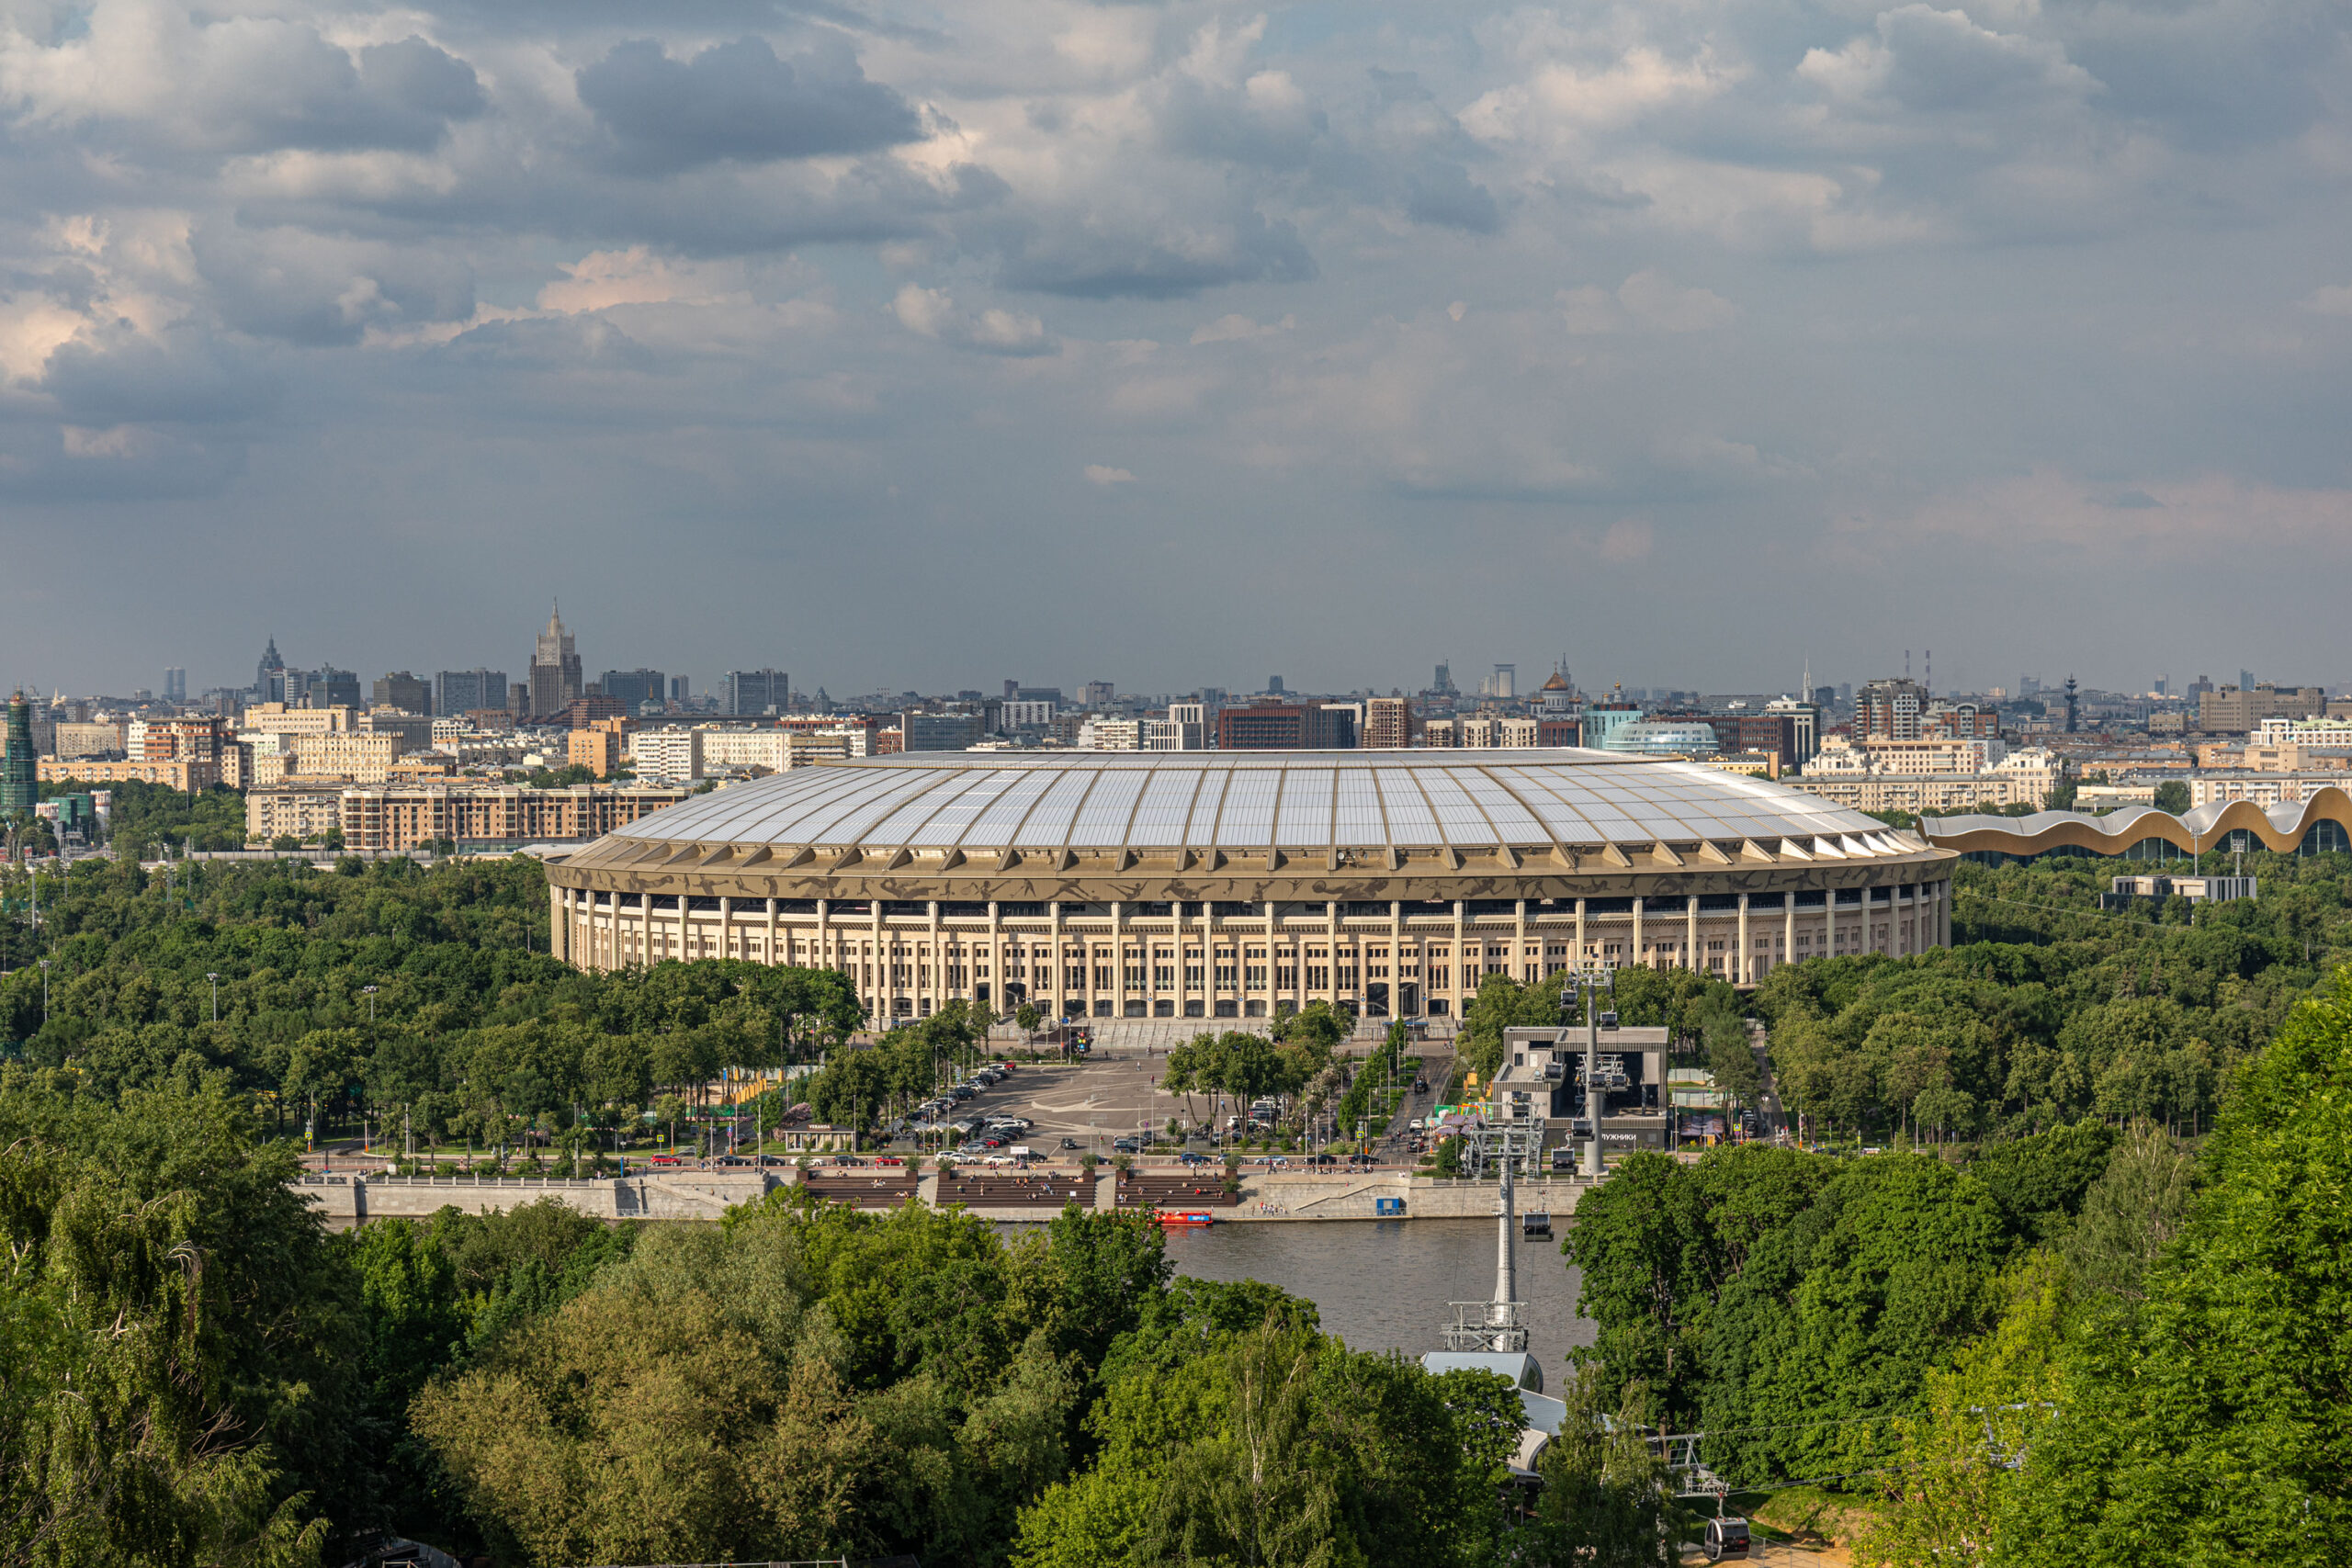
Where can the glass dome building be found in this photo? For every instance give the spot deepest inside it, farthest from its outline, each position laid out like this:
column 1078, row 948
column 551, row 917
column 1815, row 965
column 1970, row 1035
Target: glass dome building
column 1648, row 739
column 1227, row 884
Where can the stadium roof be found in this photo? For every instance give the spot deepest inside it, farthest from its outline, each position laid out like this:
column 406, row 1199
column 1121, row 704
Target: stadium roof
column 1247, row 801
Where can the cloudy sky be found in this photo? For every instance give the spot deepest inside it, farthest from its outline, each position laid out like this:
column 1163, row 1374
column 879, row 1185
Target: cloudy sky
column 927, row 346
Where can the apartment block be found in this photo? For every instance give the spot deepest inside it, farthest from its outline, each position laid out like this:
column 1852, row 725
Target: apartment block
column 302, row 811
column 361, row 757
column 392, row 818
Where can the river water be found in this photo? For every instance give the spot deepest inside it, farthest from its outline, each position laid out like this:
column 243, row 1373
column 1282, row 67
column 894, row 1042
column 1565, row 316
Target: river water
column 1383, row 1285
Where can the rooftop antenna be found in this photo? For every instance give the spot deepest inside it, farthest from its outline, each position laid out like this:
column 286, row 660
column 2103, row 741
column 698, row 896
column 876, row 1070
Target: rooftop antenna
column 1928, row 673
column 1907, row 664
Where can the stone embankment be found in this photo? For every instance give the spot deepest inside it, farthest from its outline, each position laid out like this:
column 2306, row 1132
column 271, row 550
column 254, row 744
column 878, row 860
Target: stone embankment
column 355, row 1199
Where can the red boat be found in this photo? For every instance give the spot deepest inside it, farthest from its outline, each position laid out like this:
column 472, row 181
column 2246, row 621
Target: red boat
column 1186, row 1217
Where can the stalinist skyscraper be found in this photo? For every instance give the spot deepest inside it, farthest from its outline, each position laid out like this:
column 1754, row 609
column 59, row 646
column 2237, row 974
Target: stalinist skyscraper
column 555, row 670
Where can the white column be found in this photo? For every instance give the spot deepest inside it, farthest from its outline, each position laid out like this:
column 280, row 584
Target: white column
column 1579, row 953
column 1690, row 936
column 1637, row 955
column 1788, row 953
column 1740, row 966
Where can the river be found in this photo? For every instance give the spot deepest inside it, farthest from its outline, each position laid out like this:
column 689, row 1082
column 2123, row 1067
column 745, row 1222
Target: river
column 1383, row 1285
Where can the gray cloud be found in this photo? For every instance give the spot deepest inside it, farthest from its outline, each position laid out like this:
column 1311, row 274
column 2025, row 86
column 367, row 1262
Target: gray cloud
column 1708, row 306
column 738, row 101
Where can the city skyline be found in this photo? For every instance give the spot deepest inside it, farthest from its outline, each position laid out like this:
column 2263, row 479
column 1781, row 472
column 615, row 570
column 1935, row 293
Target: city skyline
column 588, row 668
column 1696, row 340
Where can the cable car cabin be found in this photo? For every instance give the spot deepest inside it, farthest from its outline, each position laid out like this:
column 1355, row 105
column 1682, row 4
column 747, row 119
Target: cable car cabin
column 1726, row 1540
column 1535, row 1225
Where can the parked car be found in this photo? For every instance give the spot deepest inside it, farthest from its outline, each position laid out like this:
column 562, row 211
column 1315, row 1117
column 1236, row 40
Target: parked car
column 847, row 1159
column 889, row 1159
column 1320, row 1159
column 732, row 1159
column 1126, row 1146
column 1191, row 1158
column 1073, row 1143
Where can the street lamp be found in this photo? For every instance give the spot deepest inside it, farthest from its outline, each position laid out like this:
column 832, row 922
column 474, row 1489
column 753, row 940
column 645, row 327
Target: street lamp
column 370, row 992
column 216, row 995
column 44, row 993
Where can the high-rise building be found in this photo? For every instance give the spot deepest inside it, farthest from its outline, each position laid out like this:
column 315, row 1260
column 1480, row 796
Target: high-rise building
column 1274, row 687
column 555, row 668
column 1445, row 681
column 334, row 688
column 175, row 685
column 20, row 762
column 1387, row 723
column 1503, row 684
column 681, row 689
column 1890, row 710
column 462, row 690
column 1098, row 694
column 1269, row 725
column 405, row 691
column 758, row 692
column 269, row 667
column 634, row 688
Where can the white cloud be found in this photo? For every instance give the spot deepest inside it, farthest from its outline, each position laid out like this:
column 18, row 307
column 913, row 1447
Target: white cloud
column 1647, row 299
column 1101, row 474
column 1238, row 329
column 933, row 314
column 1627, row 539
column 2334, row 301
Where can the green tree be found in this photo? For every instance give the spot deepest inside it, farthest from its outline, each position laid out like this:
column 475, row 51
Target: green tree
column 2172, row 796
column 2209, row 1421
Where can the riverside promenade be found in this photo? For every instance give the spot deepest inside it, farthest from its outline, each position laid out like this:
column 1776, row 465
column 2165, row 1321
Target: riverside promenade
column 348, row 1199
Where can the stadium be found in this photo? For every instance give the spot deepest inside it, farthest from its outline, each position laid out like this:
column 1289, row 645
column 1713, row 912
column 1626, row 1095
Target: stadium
column 1239, row 883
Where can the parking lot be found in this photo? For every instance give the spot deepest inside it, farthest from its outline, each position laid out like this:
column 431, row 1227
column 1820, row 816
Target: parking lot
column 1088, row 1103
column 1084, row 1107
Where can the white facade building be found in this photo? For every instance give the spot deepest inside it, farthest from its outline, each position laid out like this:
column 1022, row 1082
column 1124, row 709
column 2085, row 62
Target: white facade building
column 666, row 756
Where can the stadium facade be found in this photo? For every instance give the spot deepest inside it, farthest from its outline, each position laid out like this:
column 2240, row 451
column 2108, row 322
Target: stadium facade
column 1228, row 884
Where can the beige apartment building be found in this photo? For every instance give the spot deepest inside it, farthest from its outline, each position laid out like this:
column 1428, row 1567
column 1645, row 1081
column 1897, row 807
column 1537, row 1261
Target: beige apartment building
column 276, row 718
column 88, row 739
column 189, row 773
column 393, row 818
column 302, row 811
column 359, row 756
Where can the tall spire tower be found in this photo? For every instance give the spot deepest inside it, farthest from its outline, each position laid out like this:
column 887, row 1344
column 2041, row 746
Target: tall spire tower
column 556, row 680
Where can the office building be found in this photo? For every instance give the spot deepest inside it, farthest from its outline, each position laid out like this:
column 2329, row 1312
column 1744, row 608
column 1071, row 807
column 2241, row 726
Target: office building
column 1199, row 885
column 404, row 690
column 19, row 760
column 1098, row 694
column 2238, row 710
column 633, row 689
column 938, row 731
column 554, row 679
column 463, row 690
column 681, row 690
column 1271, row 725
column 175, row 685
column 754, row 692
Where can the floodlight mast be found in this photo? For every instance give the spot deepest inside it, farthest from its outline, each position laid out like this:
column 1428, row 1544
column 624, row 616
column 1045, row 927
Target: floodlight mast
column 1585, row 985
